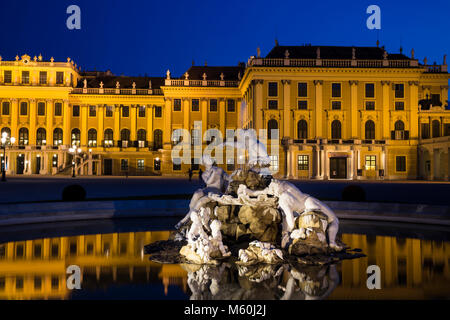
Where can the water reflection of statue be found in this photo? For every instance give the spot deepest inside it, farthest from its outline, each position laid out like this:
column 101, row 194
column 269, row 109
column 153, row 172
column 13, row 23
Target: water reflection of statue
column 292, row 201
column 216, row 180
column 311, row 283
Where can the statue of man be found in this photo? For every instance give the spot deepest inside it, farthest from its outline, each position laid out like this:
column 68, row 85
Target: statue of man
column 291, row 200
column 216, row 180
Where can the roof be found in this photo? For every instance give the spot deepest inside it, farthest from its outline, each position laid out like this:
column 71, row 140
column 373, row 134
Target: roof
column 125, row 82
column 213, row 72
column 333, row 52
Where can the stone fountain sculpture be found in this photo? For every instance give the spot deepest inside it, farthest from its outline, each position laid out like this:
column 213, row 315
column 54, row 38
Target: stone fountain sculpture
column 251, row 218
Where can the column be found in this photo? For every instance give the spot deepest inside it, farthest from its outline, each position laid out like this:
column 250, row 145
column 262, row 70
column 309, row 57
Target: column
column 354, row 108
column 83, row 129
column 204, row 110
column 431, row 173
column 116, row 134
column 66, row 123
column 286, row 108
column 413, row 109
column 186, row 114
column 354, row 173
column 318, row 108
column 149, row 114
column 258, row 109
column 90, row 163
column 49, row 122
column 14, row 117
column 222, row 117
column 325, row 164
column 32, row 132
column 44, row 163
column 167, row 132
column 318, row 175
column 133, row 124
column 101, row 130
column 386, row 119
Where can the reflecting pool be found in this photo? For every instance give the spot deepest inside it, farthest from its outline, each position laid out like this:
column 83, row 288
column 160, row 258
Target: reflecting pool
column 414, row 263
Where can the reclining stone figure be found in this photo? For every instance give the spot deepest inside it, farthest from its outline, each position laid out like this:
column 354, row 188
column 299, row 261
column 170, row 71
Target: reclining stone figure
column 291, row 200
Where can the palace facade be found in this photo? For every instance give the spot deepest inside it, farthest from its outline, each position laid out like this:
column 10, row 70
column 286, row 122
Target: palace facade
column 341, row 112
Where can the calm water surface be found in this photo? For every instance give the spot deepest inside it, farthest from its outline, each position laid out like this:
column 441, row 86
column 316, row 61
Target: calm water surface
column 414, row 263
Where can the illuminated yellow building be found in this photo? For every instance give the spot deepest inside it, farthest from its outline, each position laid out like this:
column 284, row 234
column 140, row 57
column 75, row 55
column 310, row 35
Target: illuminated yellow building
column 341, row 112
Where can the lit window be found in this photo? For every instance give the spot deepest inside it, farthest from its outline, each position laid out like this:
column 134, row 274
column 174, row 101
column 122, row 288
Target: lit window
column 7, row 76
column 140, row 164
column 43, row 77
column 25, row 77
column 303, row 162
column 274, row 164
column 371, row 162
column 124, row 164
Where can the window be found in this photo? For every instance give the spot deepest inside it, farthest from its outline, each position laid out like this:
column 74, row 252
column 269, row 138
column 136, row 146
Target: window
column 436, row 128
column 157, row 139
column 75, row 111
column 108, row 138
column 141, row 138
column 336, row 90
column 370, row 130
column 23, row 108
column 370, row 90
column 371, row 162
column 58, row 109
column 158, row 112
column 399, row 105
column 57, row 136
column 303, row 162
column 196, row 137
column 55, row 161
column 23, row 137
column 231, row 107
column 37, row 250
column 141, row 164
column 157, row 164
column 195, row 105
column 272, row 129
column 176, row 164
column 92, row 138
column 109, row 111
column 230, row 165
column 399, row 132
column 41, row 137
column 25, row 77
column 273, row 104
column 177, row 136
column 92, row 111
column 59, row 77
column 273, row 89
column 124, row 164
column 141, row 111
column 5, row 108
column 42, row 77
column 37, row 283
column 302, row 105
column 274, row 163
column 336, row 105
column 177, row 105
column 302, row 129
column 213, row 105
column 125, row 137
column 336, row 129
column 75, row 137
column 425, row 130
column 41, row 108
column 125, row 111
column 399, row 90
column 302, row 89
column 400, row 163
column 7, row 76
column 370, row 105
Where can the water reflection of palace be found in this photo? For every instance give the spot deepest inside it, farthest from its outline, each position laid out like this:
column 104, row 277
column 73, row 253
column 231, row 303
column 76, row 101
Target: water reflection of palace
column 36, row 269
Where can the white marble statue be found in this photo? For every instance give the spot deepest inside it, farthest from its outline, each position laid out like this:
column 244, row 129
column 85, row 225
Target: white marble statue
column 292, row 201
column 216, row 238
column 260, row 252
column 216, row 180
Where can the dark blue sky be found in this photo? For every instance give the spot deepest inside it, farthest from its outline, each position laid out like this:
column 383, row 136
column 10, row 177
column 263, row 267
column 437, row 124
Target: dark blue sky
column 148, row 37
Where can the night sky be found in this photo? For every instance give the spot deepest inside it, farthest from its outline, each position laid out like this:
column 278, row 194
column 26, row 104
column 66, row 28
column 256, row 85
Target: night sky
column 148, row 37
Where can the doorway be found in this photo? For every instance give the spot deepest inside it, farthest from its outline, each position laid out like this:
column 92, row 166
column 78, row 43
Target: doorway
column 38, row 165
column 20, row 164
column 107, row 167
column 338, row 168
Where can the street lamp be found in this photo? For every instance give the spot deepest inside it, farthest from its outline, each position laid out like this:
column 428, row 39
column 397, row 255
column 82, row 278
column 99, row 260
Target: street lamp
column 5, row 139
column 75, row 151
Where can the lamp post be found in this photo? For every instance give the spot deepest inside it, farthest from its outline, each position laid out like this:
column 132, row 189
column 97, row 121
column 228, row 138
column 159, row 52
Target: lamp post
column 75, row 151
column 5, row 139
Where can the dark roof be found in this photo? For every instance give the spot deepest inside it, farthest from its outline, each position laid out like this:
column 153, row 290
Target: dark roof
column 213, row 73
column 125, row 82
column 333, row 52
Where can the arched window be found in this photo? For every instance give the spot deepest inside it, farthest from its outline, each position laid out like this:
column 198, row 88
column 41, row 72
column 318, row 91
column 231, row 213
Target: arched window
column 109, row 138
column 41, row 137
column 141, row 138
column 370, row 130
column 436, row 128
column 336, row 129
column 57, row 136
column 125, row 137
column 92, row 138
column 399, row 125
column 7, row 130
column 157, row 139
column 272, row 124
column 23, row 136
column 302, row 129
column 75, row 137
